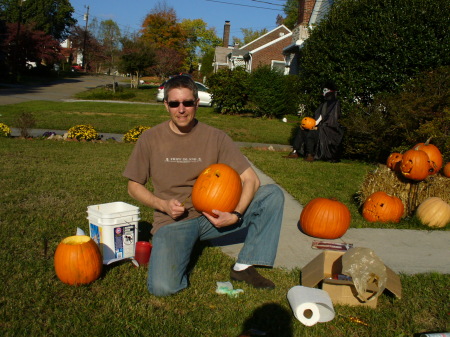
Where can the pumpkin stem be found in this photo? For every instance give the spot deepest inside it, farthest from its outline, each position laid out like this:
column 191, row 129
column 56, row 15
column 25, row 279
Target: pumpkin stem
column 428, row 141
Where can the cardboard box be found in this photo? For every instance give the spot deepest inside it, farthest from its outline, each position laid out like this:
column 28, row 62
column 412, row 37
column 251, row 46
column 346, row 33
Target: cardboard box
column 319, row 272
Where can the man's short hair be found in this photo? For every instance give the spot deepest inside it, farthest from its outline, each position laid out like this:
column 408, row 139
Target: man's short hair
column 180, row 81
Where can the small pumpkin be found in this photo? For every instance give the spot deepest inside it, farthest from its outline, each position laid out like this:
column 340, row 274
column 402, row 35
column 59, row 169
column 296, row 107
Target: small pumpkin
column 325, row 218
column 433, row 153
column 394, row 160
column 434, row 212
column 382, row 207
column 217, row 187
column 446, row 170
column 308, row 123
column 415, row 165
column 78, row 260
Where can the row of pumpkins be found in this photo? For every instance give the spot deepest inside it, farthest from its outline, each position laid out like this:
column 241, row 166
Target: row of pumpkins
column 330, row 219
column 78, row 259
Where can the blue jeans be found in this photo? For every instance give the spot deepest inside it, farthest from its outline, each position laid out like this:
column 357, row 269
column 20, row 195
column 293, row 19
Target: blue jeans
column 173, row 243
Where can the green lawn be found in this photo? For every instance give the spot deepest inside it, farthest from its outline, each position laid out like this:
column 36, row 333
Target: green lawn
column 47, row 186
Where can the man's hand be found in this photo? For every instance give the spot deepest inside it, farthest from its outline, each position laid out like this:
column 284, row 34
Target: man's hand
column 174, row 208
column 223, row 219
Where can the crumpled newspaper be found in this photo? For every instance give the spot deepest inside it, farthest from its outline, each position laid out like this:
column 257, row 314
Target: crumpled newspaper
column 227, row 288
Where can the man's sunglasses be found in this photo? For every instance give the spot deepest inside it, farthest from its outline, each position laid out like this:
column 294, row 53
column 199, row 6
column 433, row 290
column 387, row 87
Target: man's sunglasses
column 187, row 104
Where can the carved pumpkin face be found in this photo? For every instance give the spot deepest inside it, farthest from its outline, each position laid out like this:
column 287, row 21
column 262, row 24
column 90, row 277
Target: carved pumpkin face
column 218, row 187
column 325, row 218
column 394, row 161
column 381, row 207
column 415, row 165
column 308, row 123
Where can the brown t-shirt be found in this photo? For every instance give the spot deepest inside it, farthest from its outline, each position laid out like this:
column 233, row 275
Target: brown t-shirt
column 173, row 163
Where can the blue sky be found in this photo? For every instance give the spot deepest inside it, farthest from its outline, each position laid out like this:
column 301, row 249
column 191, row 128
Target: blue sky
column 129, row 14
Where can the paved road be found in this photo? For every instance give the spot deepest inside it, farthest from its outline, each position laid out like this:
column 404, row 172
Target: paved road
column 57, row 91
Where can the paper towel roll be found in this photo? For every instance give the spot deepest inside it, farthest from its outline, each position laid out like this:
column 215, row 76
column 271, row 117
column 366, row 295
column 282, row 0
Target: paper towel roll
column 310, row 305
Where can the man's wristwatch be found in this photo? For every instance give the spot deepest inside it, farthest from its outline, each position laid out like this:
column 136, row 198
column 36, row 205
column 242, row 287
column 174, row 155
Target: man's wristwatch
column 239, row 215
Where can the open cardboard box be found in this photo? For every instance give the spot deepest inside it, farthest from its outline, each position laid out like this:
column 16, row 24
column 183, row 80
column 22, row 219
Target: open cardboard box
column 328, row 263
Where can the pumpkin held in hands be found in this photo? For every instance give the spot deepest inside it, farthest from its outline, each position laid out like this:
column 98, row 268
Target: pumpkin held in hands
column 381, row 207
column 308, row 123
column 218, row 187
column 78, row 260
column 325, row 218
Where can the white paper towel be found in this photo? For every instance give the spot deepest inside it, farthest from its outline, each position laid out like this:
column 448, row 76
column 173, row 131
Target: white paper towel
column 310, row 305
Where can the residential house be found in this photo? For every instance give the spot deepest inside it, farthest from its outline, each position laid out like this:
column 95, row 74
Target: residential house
column 310, row 12
column 265, row 50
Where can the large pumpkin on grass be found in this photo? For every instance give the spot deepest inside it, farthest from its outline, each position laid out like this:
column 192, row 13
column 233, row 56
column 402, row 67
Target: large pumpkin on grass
column 394, row 160
column 415, row 165
column 218, row 187
column 434, row 212
column 325, row 218
column 78, row 260
column 308, row 123
column 382, row 207
column 433, row 153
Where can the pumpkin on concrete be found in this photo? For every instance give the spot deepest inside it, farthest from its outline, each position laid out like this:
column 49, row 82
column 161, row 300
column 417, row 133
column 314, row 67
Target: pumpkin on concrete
column 325, row 218
column 78, row 260
column 217, row 187
column 394, row 160
column 433, row 153
column 308, row 123
column 434, row 212
column 415, row 165
column 382, row 207
column 446, row 170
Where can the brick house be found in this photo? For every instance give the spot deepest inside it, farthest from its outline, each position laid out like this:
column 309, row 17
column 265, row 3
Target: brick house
column 265, row 50
column 310, row 12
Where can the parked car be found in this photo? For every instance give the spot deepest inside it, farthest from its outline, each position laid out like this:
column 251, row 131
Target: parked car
column 77, row 68
column 203, row 94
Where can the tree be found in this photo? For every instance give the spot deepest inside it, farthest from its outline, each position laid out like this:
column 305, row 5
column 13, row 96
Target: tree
column 95, row 53
column 372, row 46
column 109, row 35
column 199, row 40
column 161, row 29
column 53, row 17
column 291, row 10
column 167, row 62
column 136, row 56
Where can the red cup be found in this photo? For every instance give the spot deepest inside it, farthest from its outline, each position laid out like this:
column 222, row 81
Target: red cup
column 142, row 254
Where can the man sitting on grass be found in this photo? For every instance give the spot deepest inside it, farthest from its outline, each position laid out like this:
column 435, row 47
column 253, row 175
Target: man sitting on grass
column 173, row 154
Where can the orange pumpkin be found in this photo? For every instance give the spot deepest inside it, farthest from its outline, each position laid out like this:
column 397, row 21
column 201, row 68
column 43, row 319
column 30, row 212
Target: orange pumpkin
column 433, row 153
column 415, row 165
column 78, row 260
column 394, row 160
column 218, row 187
column 308, row 123
column 446, row 170
column 382, row 207
column 325, row 218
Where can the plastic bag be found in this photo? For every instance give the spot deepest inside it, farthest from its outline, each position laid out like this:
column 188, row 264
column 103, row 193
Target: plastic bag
column 365, row 268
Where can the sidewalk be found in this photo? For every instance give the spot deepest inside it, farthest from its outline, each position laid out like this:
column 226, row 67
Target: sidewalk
column 404, row 251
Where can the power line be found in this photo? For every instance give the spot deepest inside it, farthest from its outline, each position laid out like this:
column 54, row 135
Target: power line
column 231, row 3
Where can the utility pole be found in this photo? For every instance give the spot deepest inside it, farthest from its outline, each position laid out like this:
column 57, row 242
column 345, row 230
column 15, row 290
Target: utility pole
column 86, row 18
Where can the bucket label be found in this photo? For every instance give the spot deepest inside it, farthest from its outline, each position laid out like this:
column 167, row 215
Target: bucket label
column 124, row 241
column 96, row 234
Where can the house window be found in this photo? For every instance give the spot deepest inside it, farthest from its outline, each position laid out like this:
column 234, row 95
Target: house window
column 278, row 65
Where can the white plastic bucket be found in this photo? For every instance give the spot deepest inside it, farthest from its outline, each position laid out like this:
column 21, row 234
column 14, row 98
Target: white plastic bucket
column 113, row 226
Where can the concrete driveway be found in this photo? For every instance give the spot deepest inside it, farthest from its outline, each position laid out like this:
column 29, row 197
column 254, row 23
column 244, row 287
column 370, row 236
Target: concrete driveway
column 57, row 91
